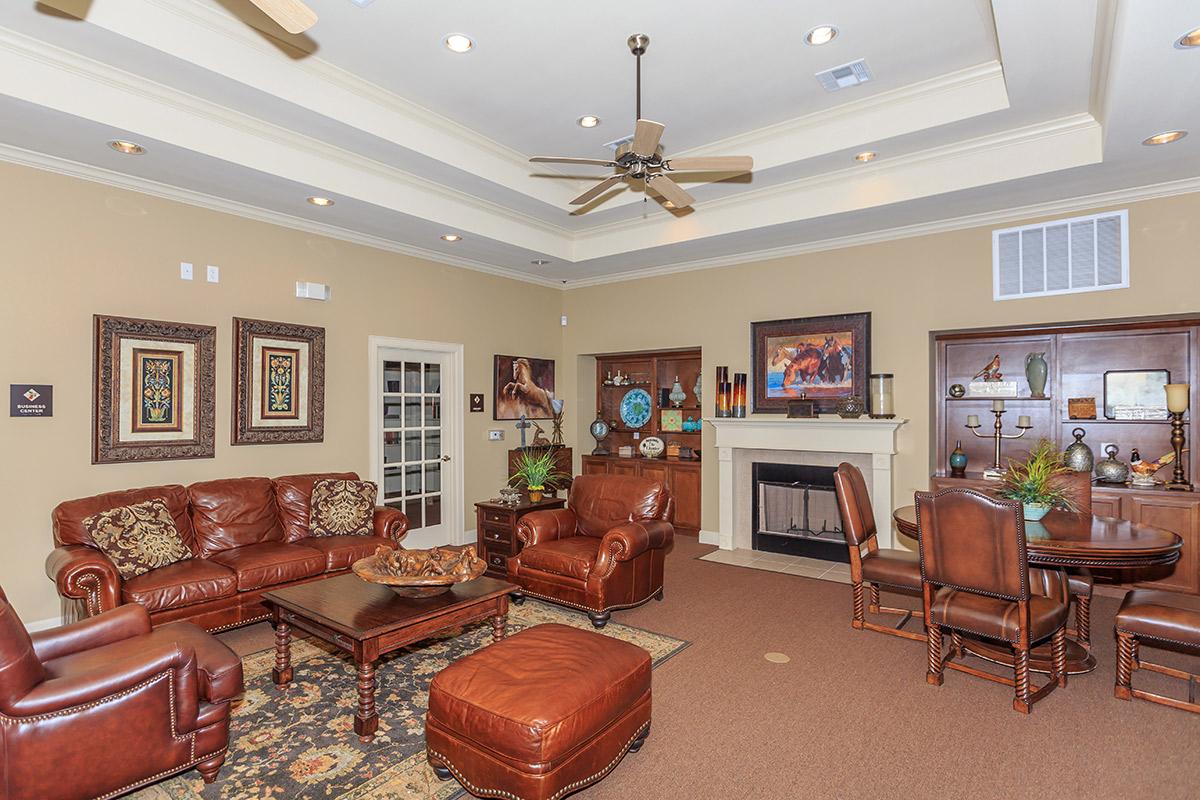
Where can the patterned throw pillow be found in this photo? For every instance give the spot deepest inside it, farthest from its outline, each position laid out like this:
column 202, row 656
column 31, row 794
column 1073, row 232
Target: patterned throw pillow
column 138, row 538
column 342, row 508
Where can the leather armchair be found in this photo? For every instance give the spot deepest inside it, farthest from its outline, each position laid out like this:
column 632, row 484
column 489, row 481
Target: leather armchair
column 604, row 551
column 102, row 706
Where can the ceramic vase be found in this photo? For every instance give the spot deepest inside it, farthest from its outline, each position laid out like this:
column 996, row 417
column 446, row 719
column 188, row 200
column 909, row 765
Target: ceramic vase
column 677, row 395
column 1036, row 372
column 958, row 461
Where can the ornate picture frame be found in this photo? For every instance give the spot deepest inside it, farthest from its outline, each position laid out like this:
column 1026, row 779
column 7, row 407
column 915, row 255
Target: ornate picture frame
column 153, row 390
column 822, row 359
column 278, row 382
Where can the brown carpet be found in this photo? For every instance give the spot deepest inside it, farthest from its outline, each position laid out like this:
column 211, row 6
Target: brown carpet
column 850, row 716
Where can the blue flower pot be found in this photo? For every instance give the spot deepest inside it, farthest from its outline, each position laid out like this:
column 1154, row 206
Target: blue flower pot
column 1035, row 511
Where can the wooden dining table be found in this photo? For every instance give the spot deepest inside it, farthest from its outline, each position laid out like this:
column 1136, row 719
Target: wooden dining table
column 1063, row 539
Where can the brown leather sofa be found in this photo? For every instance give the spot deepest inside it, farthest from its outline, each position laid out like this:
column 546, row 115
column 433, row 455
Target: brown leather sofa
column 247, row 536
column 604, row 551
column 102, row 706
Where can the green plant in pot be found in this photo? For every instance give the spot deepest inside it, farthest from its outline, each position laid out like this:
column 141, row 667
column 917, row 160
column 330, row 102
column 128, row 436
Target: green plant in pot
column 1035, row 481
column 537, row 470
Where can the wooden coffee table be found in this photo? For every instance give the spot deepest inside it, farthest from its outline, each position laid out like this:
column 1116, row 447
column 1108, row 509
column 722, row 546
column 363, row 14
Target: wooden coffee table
column 369, row 620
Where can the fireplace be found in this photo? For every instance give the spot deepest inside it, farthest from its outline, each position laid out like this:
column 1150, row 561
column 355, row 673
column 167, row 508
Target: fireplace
column 794, row 511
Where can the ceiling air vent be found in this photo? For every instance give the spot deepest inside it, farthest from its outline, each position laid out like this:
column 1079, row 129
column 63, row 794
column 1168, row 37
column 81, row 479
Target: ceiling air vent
column 1081, row 254
column 845, row 76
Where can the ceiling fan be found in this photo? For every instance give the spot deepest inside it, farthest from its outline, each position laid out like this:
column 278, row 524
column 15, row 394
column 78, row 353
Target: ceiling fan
column 642, row 157
column 291, row 15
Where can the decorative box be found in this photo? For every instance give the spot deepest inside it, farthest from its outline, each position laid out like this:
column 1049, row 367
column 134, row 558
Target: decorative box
column 625, row 451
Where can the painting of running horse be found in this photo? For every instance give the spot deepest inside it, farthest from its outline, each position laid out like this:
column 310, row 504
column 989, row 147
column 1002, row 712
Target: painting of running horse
column 819, row 358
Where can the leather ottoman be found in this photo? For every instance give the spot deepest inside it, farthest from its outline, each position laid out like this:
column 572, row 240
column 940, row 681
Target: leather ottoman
column 538, row 715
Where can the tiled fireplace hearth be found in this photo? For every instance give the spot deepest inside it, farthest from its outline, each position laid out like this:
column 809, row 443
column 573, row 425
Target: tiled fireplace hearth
column 869, row 444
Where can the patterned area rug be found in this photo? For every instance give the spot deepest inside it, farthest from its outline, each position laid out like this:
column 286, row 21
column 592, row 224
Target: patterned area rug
column 301, row 743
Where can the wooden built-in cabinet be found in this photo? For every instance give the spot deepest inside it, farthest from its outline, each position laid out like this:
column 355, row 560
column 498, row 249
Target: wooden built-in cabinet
column 1078, row 355
column 682, row 479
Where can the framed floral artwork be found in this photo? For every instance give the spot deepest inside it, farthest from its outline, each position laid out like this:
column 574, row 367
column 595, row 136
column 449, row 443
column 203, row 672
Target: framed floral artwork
column 153, row 385
column 822, row 359
column 279, row 382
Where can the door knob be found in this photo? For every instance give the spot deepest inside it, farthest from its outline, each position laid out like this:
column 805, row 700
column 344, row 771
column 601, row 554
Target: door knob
column 445, row 458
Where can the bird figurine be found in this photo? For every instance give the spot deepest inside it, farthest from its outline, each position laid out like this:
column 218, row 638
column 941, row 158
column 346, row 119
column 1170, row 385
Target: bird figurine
column 991, row 372
column 1143, row 471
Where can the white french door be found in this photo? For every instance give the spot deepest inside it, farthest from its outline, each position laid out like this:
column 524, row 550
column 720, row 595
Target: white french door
column 416, row 436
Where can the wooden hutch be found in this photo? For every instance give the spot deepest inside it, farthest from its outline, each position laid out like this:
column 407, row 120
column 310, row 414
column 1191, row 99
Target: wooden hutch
column 653, row 372
column 1078, row 355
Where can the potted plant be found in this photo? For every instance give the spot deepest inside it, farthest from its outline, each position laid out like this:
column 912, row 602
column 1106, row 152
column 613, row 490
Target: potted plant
column 536, row 469
column 1033, row 481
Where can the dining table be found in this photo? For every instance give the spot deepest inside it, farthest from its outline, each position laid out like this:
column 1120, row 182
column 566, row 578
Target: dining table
column 1063, row 540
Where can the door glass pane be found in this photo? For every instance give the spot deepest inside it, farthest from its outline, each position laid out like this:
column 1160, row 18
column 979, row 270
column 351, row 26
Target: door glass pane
column 433, row 379
column 433, row 445
column 412, row 510
column 391, row 376
column 412, row 479
column 433, row 477
column 433, row 411
column 433, row 509
column 412, row 412
column 412, row 445
column 393, row 483
column 393, row 451
column 391, row 413
column 412, row 377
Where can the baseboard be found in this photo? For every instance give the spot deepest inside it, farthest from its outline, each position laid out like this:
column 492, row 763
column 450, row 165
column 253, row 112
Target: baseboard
column 44, row 624
column 709, row 537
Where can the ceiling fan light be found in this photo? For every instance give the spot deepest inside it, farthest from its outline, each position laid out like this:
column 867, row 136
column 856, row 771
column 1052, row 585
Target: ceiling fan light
column 822, row 34
column 451, row 237
column 1189, row 39
column 866, row 156
column 126, row 147
column 588, row 121
column 458, row 42
column 1166, row 137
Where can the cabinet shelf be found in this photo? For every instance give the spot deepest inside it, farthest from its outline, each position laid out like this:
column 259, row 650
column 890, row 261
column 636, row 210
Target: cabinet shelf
column 1103, row 421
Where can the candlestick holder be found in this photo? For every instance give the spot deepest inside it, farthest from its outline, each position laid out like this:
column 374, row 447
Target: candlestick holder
column 998, row 436
column 1179, row 481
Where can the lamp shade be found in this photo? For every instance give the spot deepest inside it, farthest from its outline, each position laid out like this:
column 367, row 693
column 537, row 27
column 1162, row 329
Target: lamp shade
column 1177, row 397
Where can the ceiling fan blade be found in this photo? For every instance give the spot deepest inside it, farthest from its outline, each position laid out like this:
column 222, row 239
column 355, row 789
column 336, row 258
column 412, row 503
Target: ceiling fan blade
column 670, row 190
column 646, row 136
column 712, row 163
column 291, row 15
column 599, row 162
column 597, row 190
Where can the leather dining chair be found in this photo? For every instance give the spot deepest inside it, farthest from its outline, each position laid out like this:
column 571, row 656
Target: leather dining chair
column 976, row 581
column 1078, row 488
column 895, row 569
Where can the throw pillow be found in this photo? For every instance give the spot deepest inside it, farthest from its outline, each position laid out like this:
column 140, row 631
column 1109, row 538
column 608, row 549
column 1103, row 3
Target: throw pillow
column 138, row 538
column 342, row 508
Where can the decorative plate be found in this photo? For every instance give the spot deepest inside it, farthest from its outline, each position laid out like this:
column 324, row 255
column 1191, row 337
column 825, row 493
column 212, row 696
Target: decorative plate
column 635, row 408
column 652, row 447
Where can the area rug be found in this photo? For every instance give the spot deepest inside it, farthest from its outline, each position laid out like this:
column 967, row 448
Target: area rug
column 301, row 743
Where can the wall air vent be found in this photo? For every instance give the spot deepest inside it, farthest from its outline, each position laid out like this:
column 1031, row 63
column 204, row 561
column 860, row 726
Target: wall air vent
column 1080, row 254
column 845, row 76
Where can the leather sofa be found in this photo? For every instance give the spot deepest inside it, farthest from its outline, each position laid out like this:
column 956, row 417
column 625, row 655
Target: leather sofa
column 247, row 536
column 102, row 706
column 604, row 551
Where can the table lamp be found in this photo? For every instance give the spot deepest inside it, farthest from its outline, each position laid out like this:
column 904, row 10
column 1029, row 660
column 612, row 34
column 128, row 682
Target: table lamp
column 1177, row 404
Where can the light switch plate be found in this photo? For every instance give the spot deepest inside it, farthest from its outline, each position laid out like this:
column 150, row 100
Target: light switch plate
column 495, row 436
column 185, row 271
column 214, row 274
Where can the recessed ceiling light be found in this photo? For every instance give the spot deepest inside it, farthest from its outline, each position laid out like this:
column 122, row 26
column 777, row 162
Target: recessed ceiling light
column 1166, row 137
column 320, row 201
column 540, row 262
column 128, row 148
column 458, row 42
column 1189, row 39
column 822, row 34
column 865, row 156
column 588, row 121
column 451, row 237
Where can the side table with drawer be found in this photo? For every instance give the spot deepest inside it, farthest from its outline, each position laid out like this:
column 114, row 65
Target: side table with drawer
column 496, row 530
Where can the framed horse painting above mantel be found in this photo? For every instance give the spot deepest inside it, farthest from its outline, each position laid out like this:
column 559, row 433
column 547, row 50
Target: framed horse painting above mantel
column 823, row 359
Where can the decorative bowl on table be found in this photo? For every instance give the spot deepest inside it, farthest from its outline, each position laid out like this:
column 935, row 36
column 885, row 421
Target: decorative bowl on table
column 420, row 573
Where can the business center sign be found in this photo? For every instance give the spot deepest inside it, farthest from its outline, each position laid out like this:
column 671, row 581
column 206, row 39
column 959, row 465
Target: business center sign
column 30, row 400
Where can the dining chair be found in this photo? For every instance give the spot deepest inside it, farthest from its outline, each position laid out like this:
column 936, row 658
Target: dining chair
column 1161, row 619
column 1077, row 486
column 895, row 569
column 975, row 580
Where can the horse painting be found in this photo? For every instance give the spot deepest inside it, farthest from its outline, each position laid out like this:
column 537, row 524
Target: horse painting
column 810, row 365
column 523, row 387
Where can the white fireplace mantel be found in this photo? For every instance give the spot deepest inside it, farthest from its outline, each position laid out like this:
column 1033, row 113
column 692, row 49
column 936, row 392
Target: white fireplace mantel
column 826, row 434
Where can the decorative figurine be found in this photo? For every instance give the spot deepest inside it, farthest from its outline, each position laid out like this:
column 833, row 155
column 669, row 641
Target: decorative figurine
column 1111, row 469
column 958, row 461
column 522, row 425
column 696, row 390
column 677, row 395
column 991, row 372
column 1036, row 373
column 957, row 390
column 1143, row 471
column 1079, row 456
column 539, row 437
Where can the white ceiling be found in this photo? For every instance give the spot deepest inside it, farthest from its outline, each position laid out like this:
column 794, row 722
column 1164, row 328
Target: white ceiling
column 977, row 110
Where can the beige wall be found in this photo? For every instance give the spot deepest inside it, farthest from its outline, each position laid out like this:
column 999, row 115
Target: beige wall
column 73, row 248
column 910, row 286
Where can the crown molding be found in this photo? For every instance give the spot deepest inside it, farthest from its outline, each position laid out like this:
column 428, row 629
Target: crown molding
column 88, row 172
column 1006, row 216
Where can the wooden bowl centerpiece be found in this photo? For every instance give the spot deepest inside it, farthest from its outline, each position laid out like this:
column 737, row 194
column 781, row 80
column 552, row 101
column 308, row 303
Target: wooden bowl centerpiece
column 420, row 573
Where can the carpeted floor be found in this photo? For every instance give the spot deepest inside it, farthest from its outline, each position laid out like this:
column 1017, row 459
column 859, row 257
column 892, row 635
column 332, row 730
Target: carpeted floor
column 850, row 715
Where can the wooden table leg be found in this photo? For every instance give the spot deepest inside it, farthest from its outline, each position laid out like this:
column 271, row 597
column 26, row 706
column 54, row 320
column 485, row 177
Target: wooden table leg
column 366, row 721
column 499, row 626
column 282, row 673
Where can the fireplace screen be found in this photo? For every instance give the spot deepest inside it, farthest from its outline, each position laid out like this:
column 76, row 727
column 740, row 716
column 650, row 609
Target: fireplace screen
column 800, row 510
